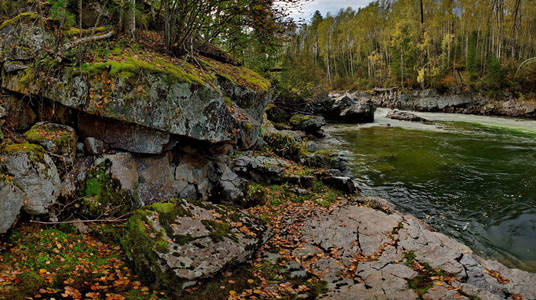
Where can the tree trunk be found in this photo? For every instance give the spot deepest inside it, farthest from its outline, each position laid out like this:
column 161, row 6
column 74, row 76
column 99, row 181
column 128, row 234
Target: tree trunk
column 132, row 19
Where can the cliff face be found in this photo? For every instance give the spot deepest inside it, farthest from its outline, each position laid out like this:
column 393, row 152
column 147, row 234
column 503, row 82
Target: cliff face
column 431, row 101
column 145, row 127
column 205, row 100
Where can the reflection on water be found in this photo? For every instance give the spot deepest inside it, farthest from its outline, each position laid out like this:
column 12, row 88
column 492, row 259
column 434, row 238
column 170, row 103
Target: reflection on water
column 472, row 182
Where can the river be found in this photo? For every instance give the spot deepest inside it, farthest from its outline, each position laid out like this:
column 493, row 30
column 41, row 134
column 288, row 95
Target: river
column 470, row 177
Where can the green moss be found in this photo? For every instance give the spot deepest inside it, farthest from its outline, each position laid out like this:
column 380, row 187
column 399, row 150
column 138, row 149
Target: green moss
column 5, row 178
column 41, row 133
column 35, row 152
column 238, row 75
column 168, row 213
column 162, row 246
column 141, row 244
column 228, row 101
column 103, row 196
column 74, row 31
column 218, row 230
column 18, row 18
column 409, row 258
column 420, row 284
column 130, row 67
column 27, row 78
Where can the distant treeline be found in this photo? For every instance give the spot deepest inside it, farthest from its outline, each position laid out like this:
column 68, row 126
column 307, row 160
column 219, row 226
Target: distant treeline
column 481, row 45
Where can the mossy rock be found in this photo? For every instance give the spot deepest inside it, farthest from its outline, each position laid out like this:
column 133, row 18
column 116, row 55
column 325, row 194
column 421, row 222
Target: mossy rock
column 23, row 17
column 182, row 241
column 103, row 196
column 55, row 138
column 35, row 152
column 34, row 172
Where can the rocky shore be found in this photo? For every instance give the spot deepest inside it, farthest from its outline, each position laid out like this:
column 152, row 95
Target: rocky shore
column 432, row 101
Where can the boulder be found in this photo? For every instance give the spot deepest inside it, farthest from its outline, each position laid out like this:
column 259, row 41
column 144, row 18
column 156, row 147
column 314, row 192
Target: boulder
column 347, row 108
column 35, row 173
column 360, row 112
column 285, row 143
column 404, row 116
column 310, row 124
column 178, row 243
column 260, row 168
column 336, row 179
column 58, row 140
column 11, row 200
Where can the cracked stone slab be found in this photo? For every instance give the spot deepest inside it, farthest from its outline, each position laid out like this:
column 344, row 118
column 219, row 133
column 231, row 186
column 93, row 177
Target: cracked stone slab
column 384, row 239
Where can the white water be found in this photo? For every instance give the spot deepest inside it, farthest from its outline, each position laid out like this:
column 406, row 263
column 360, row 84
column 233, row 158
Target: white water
column 380, row 119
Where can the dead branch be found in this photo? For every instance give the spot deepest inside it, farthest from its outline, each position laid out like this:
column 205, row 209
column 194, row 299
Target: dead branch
column 88, row 39
column 80, row 221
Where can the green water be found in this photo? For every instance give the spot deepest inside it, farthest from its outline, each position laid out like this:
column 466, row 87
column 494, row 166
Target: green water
column 474, row 183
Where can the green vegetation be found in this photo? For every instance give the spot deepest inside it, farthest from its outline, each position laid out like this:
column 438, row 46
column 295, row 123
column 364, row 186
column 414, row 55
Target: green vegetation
column 102, row 196
column 26, row 16
column 459, row 44
column 51, row 262
column 36, row 152
column 45, row 132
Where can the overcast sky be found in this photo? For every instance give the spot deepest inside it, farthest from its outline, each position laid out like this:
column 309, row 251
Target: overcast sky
column 325, row 6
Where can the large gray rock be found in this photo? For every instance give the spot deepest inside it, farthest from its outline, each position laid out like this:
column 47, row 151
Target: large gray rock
column 35, row 173
column 347, row 108
column 178, row 243
column 310, row 124
column 223, row 105
column 404, row 116
column 364, row 253
column 11, row 200
column 260, row 168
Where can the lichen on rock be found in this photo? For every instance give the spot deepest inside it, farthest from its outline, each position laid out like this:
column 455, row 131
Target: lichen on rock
column 183, row 241
column 35, row 173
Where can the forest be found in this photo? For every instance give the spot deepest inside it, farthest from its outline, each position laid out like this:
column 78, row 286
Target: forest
column 485, row 45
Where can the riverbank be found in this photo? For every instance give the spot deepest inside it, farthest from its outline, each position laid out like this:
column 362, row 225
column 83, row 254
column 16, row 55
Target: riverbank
column 432, row 101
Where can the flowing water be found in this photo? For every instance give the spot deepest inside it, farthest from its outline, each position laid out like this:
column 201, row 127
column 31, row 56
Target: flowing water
column 471, row 177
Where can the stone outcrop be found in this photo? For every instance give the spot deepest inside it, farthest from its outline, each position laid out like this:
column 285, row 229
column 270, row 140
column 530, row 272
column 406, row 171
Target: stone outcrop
column 152, row 99
column 178, row 243
column 346, row 108
column 310, row 124
column 11, row 200
column 364, row 253
column 432, row 101
column 404, row 116
column 35, row 173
